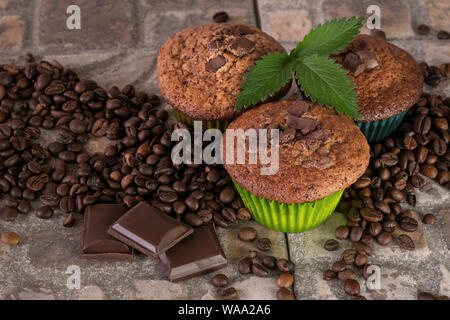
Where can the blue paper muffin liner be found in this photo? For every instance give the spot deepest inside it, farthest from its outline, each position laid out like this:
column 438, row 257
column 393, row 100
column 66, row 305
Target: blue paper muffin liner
column 206, row 124
column 378, row 130
column 289, row 218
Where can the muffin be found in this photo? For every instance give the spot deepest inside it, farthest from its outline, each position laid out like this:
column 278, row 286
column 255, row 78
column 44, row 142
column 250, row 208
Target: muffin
column 200, row 70
column 320, row 154
column 388, row 82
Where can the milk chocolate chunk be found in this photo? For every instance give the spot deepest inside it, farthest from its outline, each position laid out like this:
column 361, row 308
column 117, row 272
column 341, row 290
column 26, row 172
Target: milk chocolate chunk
column 301, row 123
column 149, row 230
column 198, row 254
column 241, row 46
column 353, row 64
column 367, row 57
column 287, row 135
column 215, row 64
column 97, row 243
column 298, row 108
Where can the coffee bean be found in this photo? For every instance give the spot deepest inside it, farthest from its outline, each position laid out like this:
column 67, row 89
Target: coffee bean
column 10, row 238
column 258, row 270
column 329, row 275
column 67, row 204
column 229, row 294
column 285, row 294
column 219, row 280
column 245, row 266
column 69, row 221
column 285, row 265
column 408, row 224
column 221, row 16
column 348, row 256
column 37, row 183
column 50, row 199
column 193, row 219
column 360, row 260
column 346, row 274
column 423, row 29
column 243, row 214
column 342, row 232
column 247, row 234
column 356, row 234
column 264, row 244
column 24, row 206
column 44, row 212
column 269, row 262
column 384, row 238
column 429, row 218
column 338, row 266
column 406, row 242
column 425, row 296
column 227, row 195
column 331, row 245
column 389, row 225
column 443, row 35
column 351, row 287
column 285, row 280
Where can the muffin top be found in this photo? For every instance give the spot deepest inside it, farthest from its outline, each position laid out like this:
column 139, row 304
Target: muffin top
column 388, row 80
column 320, row 152
column 200, row 69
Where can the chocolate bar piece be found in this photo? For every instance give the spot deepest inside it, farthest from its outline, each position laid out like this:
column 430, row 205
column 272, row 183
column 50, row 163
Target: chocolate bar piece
column 149, row 230
column 97, row 243
column 198, row 254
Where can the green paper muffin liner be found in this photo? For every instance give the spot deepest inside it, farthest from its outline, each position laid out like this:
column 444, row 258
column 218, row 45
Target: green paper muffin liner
column 206, row 124
column 378, row 130
column 289, row 218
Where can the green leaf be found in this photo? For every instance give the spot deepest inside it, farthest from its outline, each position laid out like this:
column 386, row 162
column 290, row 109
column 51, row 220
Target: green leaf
column 328, row 38
column 327, row 83
column 264, row 79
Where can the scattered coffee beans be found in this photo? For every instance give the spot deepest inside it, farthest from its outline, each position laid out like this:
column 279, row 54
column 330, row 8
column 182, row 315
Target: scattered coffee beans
column 10, row 238
column 429, row 218
column 247, row 234
column 219, row 280
column 229, row 294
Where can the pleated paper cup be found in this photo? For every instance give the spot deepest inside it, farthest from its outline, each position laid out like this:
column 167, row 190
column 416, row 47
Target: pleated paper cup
column 378, row 130
column 289, row 218
column 206, row 124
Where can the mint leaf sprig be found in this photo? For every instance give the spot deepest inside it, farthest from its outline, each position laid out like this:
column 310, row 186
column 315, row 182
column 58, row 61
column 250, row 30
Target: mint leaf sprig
column 323, row 80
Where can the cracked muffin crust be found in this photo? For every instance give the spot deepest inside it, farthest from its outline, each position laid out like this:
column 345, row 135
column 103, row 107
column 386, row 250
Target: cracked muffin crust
column 200, row 69
column 392, row 84
column 328, row 156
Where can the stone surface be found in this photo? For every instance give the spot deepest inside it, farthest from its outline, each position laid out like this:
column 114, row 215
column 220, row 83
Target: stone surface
column 118, row 44
column 104, row 24
column 163, row 19
column 12, row 30
column 439, row 11
column 395, row 15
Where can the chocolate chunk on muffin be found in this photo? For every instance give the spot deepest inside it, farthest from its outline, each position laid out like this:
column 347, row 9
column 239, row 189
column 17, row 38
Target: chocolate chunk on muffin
column 320, row 154
column 388, row 82
column 200, row 69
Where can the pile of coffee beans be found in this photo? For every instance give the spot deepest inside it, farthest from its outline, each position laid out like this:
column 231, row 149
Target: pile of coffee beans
column 373, row 205
column 433, row 74
column 262, row 265
column 136, row 165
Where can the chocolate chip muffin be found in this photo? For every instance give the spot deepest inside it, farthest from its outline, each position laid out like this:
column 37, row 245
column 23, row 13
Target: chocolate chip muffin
column 388, row 82
column 200, row 69
column 320, row 154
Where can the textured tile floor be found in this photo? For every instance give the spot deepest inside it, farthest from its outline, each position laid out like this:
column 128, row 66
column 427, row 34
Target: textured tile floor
column 119, row 46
